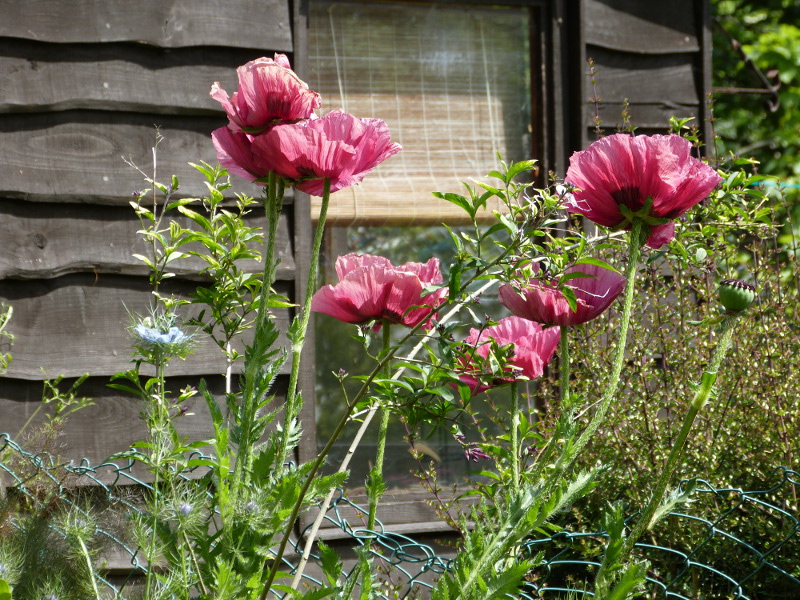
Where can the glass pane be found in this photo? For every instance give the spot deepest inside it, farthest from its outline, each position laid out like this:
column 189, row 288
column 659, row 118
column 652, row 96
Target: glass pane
column 452, row 82
column 338, row 349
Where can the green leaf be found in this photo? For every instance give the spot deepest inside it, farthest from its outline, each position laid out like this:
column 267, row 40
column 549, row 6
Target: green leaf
column 517, row 168
column 5, row 590
column 575, row 275
column 144, row 259
column 589, row 260
column 130, row 454
column 630, row 580
column 458, row 200
column 181, row 202
column 700, row 255
column 330, row 562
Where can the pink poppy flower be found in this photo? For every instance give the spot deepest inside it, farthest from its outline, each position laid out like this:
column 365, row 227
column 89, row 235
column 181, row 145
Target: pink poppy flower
column 371, row 288
column 338, row 146
column 235, row 153
column 539, row 301
column 624, row 171
column 269, row 93
column 533, row 349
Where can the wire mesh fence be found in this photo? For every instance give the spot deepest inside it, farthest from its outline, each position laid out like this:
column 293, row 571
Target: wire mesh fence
column 726, row 543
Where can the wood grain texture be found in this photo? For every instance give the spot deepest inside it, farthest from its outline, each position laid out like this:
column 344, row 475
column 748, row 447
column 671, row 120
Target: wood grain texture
column 642, row 27
column 644, row 79
column 165, row 23
column 77, row 156
column 111, row 425
column 643, row 116
column 116, row 77
column 45, row 240
column 80, row 323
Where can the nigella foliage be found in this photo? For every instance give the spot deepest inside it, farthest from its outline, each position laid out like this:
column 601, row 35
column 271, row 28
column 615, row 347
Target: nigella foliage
column 48, row 546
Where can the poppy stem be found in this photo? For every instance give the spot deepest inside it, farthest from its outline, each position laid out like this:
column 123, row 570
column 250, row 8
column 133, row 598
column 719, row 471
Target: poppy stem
column 514, row 434
column 293, row 402
column 563, row 353
column 649, row 516
column 273, row 204
column 635, row 245
column 376, row 487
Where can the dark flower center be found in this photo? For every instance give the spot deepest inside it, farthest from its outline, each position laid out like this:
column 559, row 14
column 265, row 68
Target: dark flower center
column 630, row 196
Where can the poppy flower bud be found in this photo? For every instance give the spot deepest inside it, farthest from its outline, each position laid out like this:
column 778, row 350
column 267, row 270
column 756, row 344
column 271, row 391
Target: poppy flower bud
column 736, row 295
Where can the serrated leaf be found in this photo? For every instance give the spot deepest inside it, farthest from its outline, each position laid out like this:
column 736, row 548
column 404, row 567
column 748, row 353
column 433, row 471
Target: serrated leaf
column 633, row 576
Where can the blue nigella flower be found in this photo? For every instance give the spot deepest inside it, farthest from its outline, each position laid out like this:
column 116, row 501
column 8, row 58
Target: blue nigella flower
column 154, row 336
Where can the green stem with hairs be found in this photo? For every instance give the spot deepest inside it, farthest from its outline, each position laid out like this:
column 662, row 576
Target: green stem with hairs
column 648, row 516
column 273, row 205
column 514, row 434
column 293, row 399
column 92, row 576
column 376, row 486
column 563, row 353
column 565, row 410
column 635, row 245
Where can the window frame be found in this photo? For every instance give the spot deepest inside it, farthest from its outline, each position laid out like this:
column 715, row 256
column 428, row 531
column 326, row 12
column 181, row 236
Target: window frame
column 549, row 142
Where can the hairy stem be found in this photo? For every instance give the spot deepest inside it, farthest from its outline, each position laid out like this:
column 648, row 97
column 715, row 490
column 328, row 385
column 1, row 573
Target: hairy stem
column 293, row 400
column 376, row 476
column 700, row 399
column 563, row 354
column 619, row 357
column 273, row 204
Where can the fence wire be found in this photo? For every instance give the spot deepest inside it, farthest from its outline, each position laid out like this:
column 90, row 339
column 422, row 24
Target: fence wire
column 726, row 543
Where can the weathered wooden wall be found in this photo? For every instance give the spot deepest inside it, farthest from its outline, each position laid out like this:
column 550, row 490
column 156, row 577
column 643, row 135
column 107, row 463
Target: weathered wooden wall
column 655, row 55
column 82, row 85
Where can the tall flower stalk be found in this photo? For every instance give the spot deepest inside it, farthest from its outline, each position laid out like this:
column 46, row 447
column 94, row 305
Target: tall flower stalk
column 298, row 336
column 655, row 507
column 634, row 246
column 375, row 485
column 262, row 339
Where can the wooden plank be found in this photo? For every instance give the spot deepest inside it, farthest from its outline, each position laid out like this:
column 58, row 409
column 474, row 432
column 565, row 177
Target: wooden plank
column 644, row 116
column 120, row 77
column 77, row 156
column 80, row 323
column 642, row 27
column 644, row 79
column 111, row 425
column 45, row 240
column 165, row 23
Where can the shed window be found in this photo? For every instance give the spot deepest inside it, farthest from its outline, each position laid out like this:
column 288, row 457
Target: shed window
column 451, row 81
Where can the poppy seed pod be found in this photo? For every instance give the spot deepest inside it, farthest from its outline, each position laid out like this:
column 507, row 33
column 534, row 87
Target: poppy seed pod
column 736, row 295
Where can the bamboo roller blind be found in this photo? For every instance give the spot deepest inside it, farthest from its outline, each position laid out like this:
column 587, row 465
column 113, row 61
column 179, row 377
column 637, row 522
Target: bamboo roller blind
column 452, row 82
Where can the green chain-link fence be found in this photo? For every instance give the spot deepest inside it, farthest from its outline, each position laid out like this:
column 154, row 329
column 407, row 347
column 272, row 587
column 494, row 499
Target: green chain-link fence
column 726, row 543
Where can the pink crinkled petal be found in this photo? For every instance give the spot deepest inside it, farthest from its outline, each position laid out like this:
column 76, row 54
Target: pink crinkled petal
column 282, row 60
column 660, row 235
column 234, row 152
column 348, row 263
